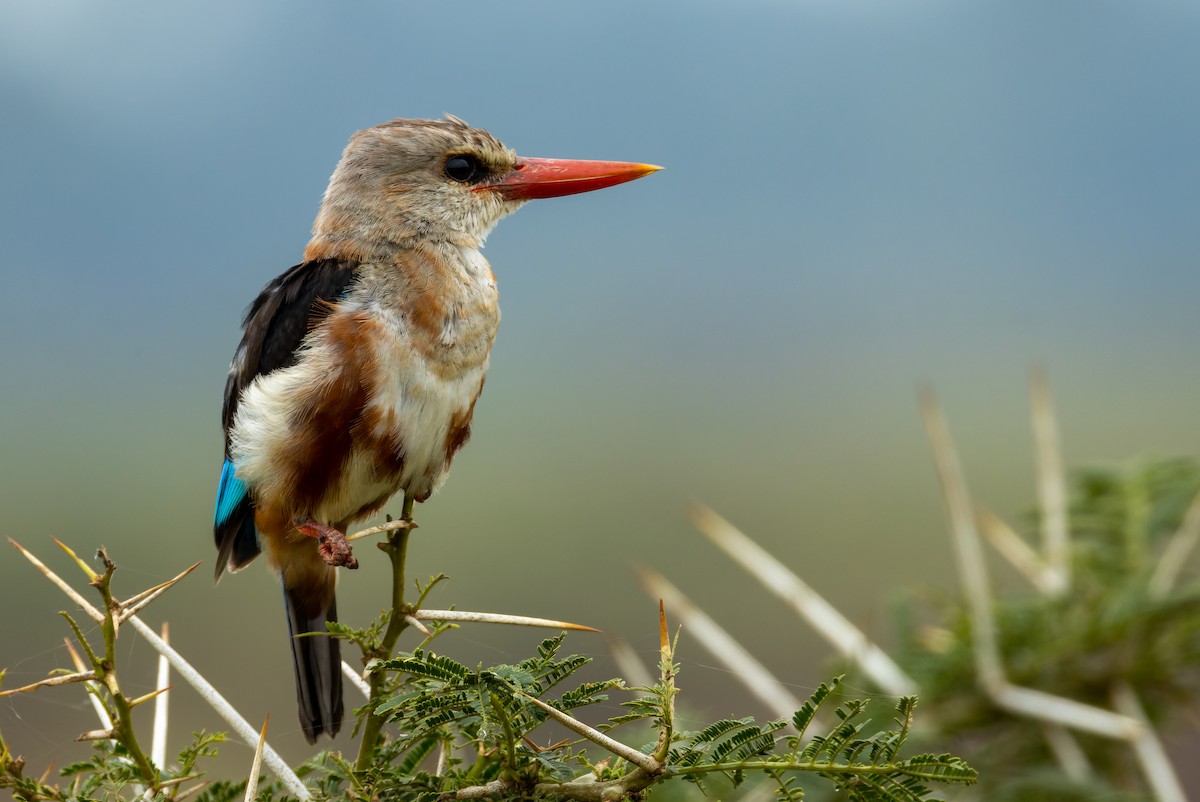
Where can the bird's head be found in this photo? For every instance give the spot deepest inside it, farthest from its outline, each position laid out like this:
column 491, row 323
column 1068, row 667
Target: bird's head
column 439, row 179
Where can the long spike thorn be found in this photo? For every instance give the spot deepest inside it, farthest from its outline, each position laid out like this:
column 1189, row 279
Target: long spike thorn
column 1048, row 707
column 146, row 697
column 356, row 680
column 972, row 569
column 76, row 660
column 822, row 616
column 49, row 682
column 46, row 774
column 443, row 759
column 499, row 618
column 1179, row 549
column 390, row 526
column 139, row 600
column 226, row 711
column 72, row 594
column 639, row 759
column 182, row 795
column 1019, row 554
column 88, row 571
column 158, row 737
column 137, row 597
column 97, row 735
column 1156, row 766
column 1067, row 752
column 256, row 766
column 418, row 626
column 1051, row 483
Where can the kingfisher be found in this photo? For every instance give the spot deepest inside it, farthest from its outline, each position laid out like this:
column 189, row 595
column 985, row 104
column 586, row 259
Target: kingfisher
column 358, row 369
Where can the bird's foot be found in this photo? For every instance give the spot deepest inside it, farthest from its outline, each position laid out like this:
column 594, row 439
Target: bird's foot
column 331, row 543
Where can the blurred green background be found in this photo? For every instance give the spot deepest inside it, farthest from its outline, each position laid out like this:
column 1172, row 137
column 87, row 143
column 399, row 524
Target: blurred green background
column 859, row 197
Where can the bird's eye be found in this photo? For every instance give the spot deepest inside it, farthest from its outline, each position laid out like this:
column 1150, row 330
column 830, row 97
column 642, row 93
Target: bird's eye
column 465, row 169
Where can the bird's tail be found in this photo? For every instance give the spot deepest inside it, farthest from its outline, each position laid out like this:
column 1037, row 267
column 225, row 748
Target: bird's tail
column 317, row 659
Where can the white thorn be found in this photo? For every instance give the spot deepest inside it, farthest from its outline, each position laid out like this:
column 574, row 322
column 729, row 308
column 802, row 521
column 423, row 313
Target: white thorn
column 1177, row 552
column 1156, row 766
column 355, row 679
column 84, row 605
column 1051, row 484
column 1019, row 553
column 256, row 765
column 640, row 759
column 225, row 710
column 972, row 572
column 443, row 758
column 158, row 740
column 1067, row 752
column 1060, row 710
column 810, row 605
column 498, row 618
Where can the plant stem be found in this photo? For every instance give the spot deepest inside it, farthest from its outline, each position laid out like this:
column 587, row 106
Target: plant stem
column 509, row 738
column 396, row 547
column 857, row 769
column 106, row 673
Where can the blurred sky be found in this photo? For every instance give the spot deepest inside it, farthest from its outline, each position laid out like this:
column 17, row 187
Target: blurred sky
column 859, row 198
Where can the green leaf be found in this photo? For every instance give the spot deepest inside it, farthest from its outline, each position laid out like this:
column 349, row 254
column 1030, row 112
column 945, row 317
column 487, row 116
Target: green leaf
column 808, row 710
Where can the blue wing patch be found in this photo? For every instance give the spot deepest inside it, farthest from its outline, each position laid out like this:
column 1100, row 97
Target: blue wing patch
column 231, row 491
column 233, row 522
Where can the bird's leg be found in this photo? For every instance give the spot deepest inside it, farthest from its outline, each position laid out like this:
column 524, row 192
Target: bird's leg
column 331, row 542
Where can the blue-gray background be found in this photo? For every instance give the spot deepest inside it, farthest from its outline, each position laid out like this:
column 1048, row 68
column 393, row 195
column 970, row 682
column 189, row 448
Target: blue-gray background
column 859, row 198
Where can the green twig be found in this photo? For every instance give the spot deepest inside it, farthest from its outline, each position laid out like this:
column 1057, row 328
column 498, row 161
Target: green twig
column 510, row 749
column 424, row 591
column 396, row 547
column 92, row 657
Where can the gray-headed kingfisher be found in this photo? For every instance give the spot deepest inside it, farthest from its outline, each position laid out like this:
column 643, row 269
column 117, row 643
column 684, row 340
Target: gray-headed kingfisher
column 358, row 369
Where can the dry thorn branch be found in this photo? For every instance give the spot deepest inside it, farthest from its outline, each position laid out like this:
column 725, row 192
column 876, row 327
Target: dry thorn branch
column 1028, row 702
column 50, row 682
column 210, row 695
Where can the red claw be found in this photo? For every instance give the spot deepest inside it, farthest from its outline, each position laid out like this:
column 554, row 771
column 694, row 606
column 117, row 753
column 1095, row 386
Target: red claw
column 331, row 543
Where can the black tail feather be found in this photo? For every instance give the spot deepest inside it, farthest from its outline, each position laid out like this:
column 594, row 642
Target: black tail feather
column 318, row 663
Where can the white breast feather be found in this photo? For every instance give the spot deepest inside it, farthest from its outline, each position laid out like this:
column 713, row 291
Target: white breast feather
column 422, row 404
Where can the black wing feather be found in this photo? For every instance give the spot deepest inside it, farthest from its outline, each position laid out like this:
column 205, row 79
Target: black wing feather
column 277, row 321
column 273, row 329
